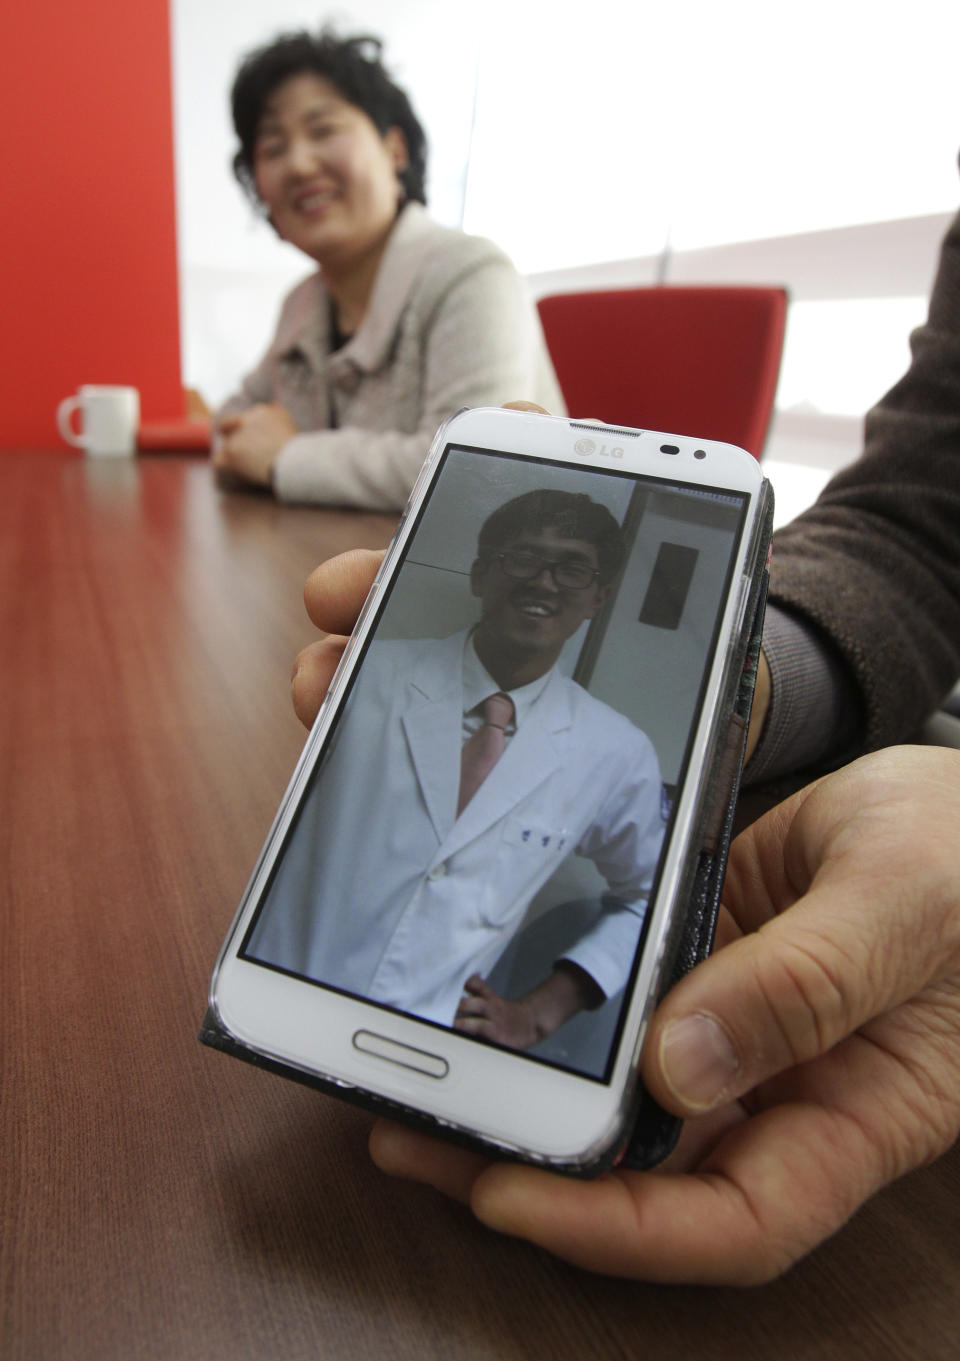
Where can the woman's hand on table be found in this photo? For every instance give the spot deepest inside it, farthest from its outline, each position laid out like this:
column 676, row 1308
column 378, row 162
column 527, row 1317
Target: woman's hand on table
column 248, row 443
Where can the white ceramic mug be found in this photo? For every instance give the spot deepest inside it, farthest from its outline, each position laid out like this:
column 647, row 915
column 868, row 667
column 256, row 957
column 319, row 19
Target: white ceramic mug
column 110, row 418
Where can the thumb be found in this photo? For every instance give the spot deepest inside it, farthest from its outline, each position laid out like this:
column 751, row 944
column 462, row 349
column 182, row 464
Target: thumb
column 763, row 1004
column 837, row 934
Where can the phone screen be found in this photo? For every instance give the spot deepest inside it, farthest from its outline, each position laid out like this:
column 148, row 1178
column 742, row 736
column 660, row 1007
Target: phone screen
column 481, row 837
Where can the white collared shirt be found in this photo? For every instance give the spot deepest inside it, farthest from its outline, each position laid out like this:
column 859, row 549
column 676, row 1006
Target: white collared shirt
column 479, row 685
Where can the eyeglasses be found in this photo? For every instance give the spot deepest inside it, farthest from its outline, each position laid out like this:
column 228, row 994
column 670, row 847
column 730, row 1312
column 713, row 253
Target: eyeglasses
column 567, row 574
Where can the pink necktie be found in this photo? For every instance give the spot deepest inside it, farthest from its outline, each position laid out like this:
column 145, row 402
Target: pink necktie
column 483, row 749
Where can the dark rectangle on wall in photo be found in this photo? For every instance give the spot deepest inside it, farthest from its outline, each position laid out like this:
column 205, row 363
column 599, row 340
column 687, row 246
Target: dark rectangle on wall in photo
column 666, row 594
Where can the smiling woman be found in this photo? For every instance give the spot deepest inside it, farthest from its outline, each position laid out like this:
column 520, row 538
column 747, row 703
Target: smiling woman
column 330, row 182
column 405, row 321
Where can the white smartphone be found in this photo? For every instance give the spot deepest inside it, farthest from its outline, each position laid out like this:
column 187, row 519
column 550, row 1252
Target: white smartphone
column 481, row 866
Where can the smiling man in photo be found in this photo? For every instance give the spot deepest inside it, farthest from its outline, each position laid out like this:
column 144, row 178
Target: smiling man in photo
column 471, row 768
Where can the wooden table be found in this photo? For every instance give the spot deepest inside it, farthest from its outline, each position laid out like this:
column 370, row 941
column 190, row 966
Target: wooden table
column 164, row 1201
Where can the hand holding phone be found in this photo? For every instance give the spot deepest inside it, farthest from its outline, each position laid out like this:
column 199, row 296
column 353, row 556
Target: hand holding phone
column 510, row 790
column 665, row 1226
column 833, row 1078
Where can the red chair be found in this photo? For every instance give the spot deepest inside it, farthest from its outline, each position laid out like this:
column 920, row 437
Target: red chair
column 687, row 360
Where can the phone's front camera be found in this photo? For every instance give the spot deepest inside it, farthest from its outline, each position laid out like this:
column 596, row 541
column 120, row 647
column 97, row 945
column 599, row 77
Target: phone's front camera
column 699, row 453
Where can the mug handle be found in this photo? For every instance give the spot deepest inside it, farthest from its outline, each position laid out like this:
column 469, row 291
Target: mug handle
column 64, row 412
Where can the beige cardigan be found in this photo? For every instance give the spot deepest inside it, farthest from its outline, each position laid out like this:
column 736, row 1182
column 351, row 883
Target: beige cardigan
column 450, row 325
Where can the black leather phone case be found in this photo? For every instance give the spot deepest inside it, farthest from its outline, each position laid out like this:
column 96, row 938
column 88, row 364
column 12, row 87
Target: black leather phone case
column 654, row 1131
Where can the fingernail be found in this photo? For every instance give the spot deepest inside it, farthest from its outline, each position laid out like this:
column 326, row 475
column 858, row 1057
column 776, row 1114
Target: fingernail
column 698, row 1060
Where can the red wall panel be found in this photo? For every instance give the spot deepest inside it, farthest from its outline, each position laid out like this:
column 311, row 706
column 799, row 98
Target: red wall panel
column 87, row 226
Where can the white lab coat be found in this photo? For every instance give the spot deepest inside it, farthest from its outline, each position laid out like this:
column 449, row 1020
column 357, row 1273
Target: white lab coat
column 385, row 892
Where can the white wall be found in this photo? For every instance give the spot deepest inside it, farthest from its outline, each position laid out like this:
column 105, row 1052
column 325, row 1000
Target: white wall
column 652, row 674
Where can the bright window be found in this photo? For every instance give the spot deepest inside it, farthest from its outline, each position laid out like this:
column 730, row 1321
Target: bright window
column 603, row 129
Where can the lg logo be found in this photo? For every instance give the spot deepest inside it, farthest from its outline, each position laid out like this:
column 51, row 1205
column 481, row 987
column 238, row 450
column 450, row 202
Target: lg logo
column 585, row 447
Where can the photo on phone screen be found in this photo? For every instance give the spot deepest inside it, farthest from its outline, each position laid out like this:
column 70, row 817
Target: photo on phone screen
column 487, row 821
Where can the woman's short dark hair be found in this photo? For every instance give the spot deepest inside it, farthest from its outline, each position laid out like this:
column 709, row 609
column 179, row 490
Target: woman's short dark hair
column 353, row 67
column 572, row 514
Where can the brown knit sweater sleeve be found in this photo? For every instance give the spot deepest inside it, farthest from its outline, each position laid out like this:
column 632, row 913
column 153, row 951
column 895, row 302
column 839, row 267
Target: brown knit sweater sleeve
column 874, row 565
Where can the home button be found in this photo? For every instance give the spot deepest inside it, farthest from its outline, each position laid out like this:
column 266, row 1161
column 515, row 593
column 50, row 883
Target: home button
column 404, row 1055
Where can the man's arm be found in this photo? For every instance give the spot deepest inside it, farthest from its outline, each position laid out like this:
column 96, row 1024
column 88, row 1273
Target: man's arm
column 871, row 571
